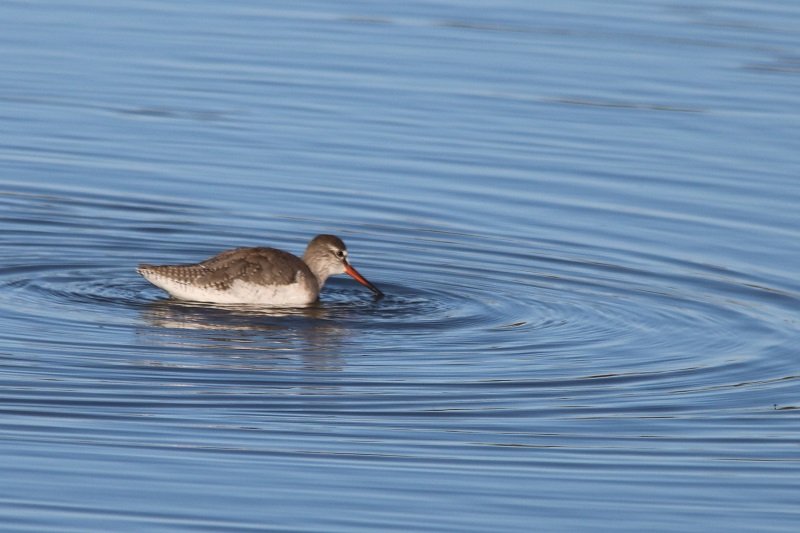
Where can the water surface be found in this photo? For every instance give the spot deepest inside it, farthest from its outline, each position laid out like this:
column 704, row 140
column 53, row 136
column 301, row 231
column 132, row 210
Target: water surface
column 585, row 222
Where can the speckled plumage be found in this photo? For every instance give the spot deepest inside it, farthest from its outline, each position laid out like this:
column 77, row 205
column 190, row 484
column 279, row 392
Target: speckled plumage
column 256, row 265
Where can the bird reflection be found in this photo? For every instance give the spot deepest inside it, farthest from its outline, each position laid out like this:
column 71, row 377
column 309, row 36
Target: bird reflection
column 253, row 335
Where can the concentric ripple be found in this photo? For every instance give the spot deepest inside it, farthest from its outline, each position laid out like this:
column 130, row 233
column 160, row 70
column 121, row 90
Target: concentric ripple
column 559, row 311
column 498, row 316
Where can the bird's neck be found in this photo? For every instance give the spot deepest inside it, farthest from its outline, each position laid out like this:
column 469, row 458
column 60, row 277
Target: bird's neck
column 318, row 268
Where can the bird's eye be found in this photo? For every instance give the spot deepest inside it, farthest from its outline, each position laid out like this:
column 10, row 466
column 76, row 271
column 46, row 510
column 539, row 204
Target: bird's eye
column 339, row 254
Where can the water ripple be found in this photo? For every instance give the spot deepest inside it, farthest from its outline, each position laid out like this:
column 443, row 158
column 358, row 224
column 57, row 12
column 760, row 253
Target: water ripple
column 561, row 312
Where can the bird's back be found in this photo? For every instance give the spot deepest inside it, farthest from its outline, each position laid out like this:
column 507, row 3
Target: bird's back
column 242, row 275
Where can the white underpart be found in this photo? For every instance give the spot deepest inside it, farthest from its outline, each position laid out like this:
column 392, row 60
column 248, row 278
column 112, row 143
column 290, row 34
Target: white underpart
column 240, row 292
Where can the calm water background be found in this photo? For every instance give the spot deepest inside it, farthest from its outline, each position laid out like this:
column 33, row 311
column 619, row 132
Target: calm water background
column 584, row 215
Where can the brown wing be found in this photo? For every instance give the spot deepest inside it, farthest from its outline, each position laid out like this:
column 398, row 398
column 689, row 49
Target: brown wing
column 266, row 266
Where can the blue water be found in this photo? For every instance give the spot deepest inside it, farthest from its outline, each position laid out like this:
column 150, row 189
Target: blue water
column 584, row 217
